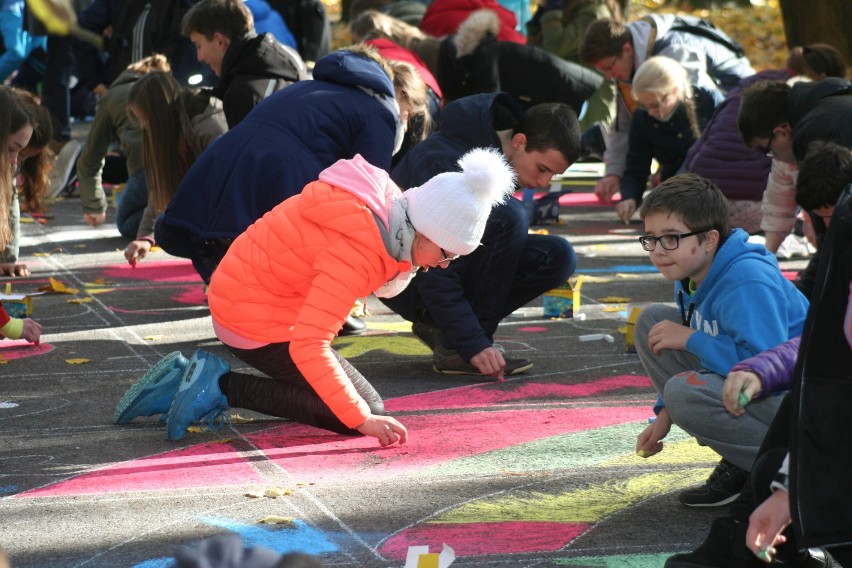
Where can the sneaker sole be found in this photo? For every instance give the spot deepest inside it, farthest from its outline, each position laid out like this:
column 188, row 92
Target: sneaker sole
column 132, row 395
column 721, row 503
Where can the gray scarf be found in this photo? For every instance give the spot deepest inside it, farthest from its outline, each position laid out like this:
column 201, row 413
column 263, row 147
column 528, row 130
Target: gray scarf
column 399, row 242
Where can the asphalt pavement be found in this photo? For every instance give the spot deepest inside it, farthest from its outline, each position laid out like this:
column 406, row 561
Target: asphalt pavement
column 538, row 470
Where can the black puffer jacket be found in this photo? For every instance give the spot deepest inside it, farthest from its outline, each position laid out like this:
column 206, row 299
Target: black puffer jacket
column 253, row 68
column 474, row 61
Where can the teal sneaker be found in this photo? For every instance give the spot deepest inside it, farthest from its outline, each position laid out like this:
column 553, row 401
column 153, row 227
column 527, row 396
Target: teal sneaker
column 153, row 393
column 198, row 398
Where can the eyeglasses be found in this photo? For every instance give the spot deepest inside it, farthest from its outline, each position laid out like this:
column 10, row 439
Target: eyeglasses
column 447, row 258
column 767, row 150
column 668, row 242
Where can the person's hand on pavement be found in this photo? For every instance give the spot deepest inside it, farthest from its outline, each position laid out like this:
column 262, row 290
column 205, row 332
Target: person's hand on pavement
column 14, row 269
column 490, row 361
column 386, row 429
column 136, row 251
column 625, row 210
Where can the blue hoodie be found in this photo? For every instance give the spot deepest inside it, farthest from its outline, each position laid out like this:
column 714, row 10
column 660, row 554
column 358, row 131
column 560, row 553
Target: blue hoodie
column 743, row 306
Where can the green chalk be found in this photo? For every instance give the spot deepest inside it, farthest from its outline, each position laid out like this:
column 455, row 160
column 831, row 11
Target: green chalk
column 743, row 400
column 762, row 553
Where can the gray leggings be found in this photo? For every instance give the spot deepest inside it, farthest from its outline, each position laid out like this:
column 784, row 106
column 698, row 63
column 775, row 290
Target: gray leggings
column 693, row 396
column 285, row 392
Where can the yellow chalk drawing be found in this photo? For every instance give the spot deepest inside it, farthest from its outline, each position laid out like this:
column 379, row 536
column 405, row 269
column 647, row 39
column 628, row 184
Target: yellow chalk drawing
column 351, row 347
column 686, row 452
column 581, row 506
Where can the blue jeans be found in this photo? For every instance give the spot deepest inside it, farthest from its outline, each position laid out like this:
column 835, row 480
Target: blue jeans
column 131, row 205
column 204, row 254
column 469, row 298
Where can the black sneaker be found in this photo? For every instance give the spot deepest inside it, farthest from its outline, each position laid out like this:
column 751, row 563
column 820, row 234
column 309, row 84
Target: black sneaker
column 449, row 362
column 722, row 487
column 429, row 335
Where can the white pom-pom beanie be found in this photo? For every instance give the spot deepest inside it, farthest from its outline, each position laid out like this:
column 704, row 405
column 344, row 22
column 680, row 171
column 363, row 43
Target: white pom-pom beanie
column 451, row 208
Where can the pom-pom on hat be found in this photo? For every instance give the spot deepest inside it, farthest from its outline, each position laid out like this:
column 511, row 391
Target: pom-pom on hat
column 451, row 208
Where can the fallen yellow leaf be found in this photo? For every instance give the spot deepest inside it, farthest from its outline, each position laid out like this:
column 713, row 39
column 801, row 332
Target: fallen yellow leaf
column 78, row 361
column 153, row 337
column 276, row 492
column 87, row 300
column 614, row 300
column 237, row 419
column 276, row 520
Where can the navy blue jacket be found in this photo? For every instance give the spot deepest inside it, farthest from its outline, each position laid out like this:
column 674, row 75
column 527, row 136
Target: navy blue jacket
column 463, row 125
column 285, row 142
column 667, row 142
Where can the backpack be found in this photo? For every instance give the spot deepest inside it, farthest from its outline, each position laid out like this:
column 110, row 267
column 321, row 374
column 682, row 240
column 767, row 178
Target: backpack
column 694, row 26
column 309, row 24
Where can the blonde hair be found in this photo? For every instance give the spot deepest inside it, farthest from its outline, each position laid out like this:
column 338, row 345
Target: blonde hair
column 663, row 76
column 154, row 62
column 13, row 117
column 372, row 24
column 409, row 87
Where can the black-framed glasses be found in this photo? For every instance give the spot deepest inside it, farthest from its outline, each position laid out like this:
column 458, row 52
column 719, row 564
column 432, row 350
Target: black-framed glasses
column 447, row 258
column 767, row 150
column 668, row 242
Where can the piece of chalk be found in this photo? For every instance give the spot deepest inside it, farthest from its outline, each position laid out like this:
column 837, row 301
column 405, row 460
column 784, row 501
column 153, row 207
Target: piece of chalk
column 763, row 554
column 598, row 337
column 641, row 453
column 743, row 400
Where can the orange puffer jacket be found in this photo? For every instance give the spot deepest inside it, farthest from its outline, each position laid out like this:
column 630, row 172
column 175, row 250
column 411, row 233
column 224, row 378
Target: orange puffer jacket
column 294, row 276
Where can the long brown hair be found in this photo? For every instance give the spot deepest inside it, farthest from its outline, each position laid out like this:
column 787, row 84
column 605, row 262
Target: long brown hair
column 35, row 170
column 169, row 144
column 13, row 117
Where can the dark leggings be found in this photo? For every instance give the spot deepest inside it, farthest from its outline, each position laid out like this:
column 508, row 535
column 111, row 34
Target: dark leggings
column 285, row 392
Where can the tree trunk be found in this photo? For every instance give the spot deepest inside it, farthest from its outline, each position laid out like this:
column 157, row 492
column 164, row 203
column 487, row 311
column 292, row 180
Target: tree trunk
column 819, row 21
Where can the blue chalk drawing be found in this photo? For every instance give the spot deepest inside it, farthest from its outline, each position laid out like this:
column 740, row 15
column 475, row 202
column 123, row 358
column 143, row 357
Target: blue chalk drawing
column 302, row 538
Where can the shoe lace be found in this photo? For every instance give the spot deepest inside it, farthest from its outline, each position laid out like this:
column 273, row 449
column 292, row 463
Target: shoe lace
column 214, row 421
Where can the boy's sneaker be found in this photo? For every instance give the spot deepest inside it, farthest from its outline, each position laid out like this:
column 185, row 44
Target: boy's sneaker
column 449, row 362
column 198, row 398
column 722, row 487
column 153, row 393
column 429, row 335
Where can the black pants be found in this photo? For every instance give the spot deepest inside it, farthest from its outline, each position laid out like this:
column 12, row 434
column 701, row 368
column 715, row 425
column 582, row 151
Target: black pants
column 285, row 392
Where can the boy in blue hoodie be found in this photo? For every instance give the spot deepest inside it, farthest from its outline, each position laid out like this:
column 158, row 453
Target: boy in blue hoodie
column 731, row 302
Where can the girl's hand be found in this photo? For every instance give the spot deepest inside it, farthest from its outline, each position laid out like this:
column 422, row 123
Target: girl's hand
column 14, row 269
column 740, row 382
column 385, row 429
column 32, row 330
column 136, row 251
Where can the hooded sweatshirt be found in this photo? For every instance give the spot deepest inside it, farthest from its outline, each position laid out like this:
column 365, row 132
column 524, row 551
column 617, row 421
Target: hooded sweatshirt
column 821, row 110
column 743, row 306
column 309, row 259
column 253, row 68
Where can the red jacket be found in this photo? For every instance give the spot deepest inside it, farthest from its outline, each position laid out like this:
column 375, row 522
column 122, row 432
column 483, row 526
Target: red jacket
column 390, row 50
column 443, row 18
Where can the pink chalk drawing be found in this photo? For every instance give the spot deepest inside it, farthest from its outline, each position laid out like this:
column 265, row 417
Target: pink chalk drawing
column 178, row 273
column 20, row 348
column 435, row 442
